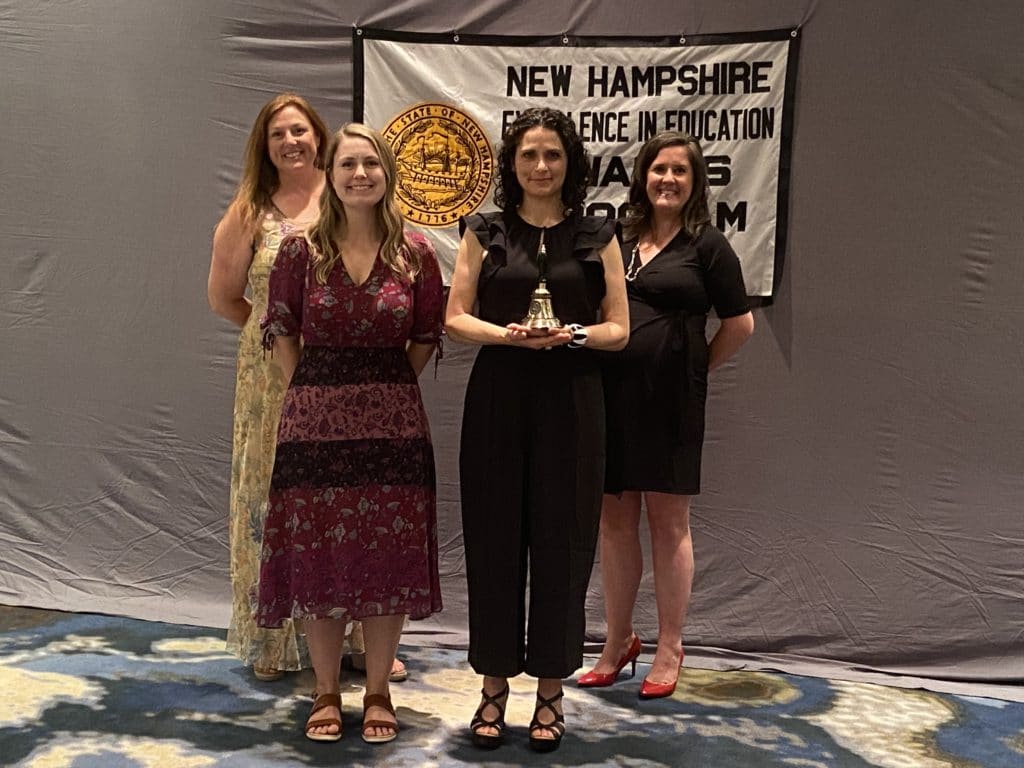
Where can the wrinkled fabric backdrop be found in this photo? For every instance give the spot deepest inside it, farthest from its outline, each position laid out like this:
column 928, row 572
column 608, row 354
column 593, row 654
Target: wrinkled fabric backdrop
column 863, row 467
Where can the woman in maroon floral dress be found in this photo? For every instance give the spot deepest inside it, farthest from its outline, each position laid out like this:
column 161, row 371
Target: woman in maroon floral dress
column 351, row 528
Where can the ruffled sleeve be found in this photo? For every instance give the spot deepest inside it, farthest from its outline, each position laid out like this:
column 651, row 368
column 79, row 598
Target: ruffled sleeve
column 491, row 230
column 593, row 233
column 286, row 291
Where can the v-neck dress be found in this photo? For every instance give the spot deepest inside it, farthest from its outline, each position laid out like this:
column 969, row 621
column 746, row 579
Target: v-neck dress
column 655, row 389
column 351, row 527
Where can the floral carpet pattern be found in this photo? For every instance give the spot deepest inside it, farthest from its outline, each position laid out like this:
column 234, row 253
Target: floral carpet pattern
column 88, row 691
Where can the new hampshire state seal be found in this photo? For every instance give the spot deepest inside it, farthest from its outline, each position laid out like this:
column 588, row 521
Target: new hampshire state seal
column 445, row 163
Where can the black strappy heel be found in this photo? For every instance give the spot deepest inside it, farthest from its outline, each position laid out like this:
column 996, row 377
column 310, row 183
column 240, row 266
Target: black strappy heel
column 499, row 701
column 557, row 727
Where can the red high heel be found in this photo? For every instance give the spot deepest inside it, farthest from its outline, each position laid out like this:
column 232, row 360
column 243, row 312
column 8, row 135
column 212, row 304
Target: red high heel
column 594, row 679
column 649, row 690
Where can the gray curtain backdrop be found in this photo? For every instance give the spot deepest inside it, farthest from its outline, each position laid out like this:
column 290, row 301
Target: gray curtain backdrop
column 863, row 466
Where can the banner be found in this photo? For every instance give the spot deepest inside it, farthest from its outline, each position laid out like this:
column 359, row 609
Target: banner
column 443, row 102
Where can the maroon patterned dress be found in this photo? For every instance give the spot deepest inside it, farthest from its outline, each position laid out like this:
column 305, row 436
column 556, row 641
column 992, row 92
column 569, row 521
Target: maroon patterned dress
column 351, row 528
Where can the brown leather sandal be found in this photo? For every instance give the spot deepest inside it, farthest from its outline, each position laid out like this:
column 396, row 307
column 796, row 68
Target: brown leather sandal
column 323, row 701
column 378, row 700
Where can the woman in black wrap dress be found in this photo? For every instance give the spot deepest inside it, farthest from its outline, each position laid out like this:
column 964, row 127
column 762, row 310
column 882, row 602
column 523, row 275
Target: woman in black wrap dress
column 532, row 454
column 678, row 267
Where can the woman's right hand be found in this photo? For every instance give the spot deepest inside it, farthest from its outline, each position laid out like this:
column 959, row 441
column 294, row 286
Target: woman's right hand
column 518, row 335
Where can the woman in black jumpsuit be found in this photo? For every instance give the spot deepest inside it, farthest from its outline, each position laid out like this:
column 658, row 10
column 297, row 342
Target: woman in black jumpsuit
column 532, row 454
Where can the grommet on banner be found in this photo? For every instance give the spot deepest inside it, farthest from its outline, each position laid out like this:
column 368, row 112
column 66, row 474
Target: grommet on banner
column 565, row 39
column 682, row 41
column 359, row 32
column 794, row 33
column 455, row 37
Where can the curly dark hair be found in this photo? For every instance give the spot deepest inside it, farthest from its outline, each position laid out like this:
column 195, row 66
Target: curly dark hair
column 695, row 214
column 507, row 191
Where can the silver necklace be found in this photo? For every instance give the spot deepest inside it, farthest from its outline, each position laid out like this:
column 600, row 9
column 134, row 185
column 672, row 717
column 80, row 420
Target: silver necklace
column 634, row 266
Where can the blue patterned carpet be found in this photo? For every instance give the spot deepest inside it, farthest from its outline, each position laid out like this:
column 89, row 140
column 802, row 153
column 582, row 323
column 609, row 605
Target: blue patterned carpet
column 99, row 692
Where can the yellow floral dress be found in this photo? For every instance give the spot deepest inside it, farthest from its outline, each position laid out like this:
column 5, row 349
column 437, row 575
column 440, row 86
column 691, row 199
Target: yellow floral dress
column 259, row 395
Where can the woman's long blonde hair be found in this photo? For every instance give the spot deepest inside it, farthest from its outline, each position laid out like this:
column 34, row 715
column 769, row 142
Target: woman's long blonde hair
column 331, row 224
column 259, row 176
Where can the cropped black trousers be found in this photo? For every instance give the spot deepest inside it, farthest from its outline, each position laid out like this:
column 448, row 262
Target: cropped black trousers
column 532, row 464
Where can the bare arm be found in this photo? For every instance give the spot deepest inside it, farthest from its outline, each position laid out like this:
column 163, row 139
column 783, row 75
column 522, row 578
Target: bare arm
column 286, row 353
column 459, row 321
column 612, row 332
column 731, row 335
column 229, row 269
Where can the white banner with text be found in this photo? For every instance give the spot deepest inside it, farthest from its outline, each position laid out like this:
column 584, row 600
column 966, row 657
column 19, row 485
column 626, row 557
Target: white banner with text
column 443, row 103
